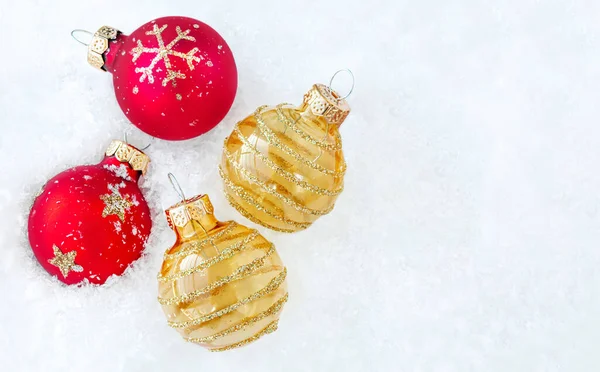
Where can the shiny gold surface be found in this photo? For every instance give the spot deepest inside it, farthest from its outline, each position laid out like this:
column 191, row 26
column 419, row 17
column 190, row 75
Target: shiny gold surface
column 221, row 285
column 325, row 102
column 126, row 153
column 283, row 166
column 99, row 44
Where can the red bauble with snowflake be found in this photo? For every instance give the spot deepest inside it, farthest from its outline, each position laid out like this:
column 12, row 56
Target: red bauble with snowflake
column 175, row 78
column 91, row 222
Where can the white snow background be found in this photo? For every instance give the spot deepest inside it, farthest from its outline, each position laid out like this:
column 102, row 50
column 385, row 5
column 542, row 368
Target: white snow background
column 467, row 235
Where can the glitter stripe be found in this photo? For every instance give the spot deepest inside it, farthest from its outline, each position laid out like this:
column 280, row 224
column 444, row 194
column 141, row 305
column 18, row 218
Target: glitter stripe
column 197, row 245
column 273, row 309
column 240, row 273
column 272, row 139
column 249, row 216
column 292, row 125
column 245, row 196
column 271, row 287
column 193, row 248
column 282, row 172
column 272, row 327
column 223, row 255
column 284, row 198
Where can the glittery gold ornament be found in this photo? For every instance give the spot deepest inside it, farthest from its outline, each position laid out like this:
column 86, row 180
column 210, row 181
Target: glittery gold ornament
column 283, row 166
column 222, row 285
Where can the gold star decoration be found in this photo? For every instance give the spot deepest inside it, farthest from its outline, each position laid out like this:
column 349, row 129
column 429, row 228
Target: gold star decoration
column 65, row 262
column 115, row 204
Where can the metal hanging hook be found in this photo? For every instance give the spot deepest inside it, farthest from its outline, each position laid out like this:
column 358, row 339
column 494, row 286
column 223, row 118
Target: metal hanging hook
column 148, row 145
column 351, row 88
column 176, row 185
column 125, row 139
column 179, row 191
column 74, row 33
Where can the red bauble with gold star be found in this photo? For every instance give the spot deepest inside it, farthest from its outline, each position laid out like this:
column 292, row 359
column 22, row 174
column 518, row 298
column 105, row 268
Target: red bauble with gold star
column 175, row 78
column 91, row 222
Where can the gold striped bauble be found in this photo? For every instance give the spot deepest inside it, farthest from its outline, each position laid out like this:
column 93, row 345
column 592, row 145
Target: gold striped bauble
column 221, row 285
column 283, row 166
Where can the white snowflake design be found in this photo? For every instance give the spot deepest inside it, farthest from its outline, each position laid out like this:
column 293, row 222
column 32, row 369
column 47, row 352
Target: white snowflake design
column 162, row 53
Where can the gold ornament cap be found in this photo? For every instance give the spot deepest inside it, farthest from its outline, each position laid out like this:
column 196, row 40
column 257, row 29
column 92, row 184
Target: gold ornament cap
column 99, row 44
column 323, row 101
column 192, row 209
column 126, row 153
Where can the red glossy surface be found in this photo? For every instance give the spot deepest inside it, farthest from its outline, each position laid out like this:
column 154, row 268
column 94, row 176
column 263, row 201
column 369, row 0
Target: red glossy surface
column 68, row 215
column 175, row 78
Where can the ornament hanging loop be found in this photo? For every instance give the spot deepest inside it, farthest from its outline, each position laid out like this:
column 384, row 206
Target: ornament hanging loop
column 176, row 185
column 127, row 142
column 80, row 31
column 351, row 88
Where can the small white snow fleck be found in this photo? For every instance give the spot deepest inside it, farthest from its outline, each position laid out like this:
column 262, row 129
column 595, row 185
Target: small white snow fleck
column 219, row 47
column 209, row 63
column 120, row 171
column 114, row 188
column 87, row 178
column 117, row 225
column 196, row 26
column 134, row 230
column 162, row 114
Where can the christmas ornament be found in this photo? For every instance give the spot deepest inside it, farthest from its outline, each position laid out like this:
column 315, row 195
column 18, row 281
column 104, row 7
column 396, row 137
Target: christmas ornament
column 92, row 221
column 175, row 78
column 283, row 166
column 222, row 285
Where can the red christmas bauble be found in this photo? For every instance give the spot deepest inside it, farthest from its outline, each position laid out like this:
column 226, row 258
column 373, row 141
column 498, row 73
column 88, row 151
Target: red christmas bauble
column 175, row 78
column 92, row 221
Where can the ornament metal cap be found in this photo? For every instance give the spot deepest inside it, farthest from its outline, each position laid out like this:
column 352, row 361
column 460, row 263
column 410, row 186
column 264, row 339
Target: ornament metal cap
column 195, row 208
column 326, row 102
column 99, row 44
column 126, row 153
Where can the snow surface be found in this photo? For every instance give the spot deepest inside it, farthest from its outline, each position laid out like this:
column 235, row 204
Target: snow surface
column 467, row 235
